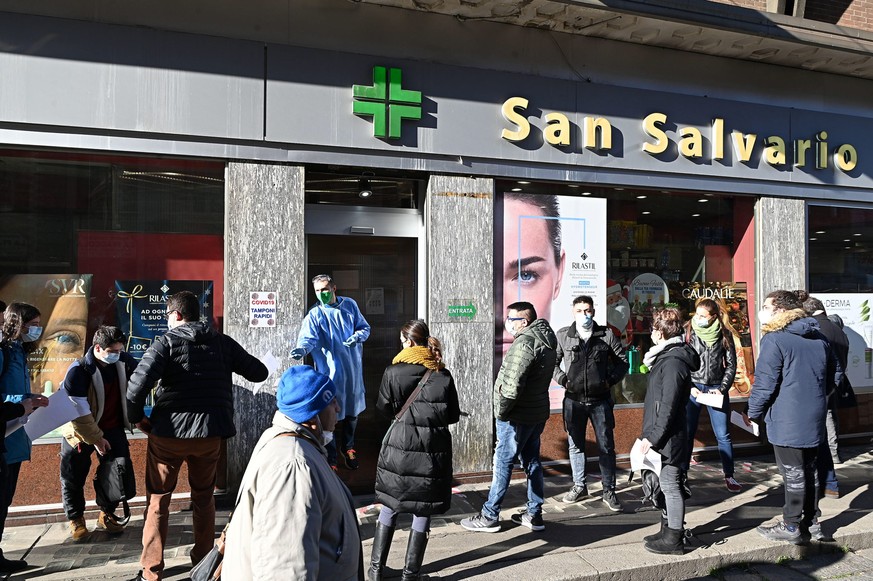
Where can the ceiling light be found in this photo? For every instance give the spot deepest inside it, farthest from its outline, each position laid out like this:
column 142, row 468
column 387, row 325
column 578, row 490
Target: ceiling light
column 586, row 193
column 524, row 183
column 858, row 234
column 364, row 190
column 702, row 200
column 646, row 213
column 820, row 232
column 515, row 190
column 619, row 189
column 813, row 238
column 641, row 197
column 847, row 247
column 847, row 239
column 573, row 186
column 695, row 215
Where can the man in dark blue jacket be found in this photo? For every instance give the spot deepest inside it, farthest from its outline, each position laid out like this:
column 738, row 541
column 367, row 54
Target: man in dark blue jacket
column 792, row 374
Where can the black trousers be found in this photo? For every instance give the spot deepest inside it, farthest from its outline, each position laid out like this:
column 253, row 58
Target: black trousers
column 800, row 475
column 8, row 482
column 75, row 466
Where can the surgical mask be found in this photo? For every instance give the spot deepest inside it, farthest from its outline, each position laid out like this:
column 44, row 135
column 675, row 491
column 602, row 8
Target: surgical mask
column 107, row 357
column 584, row 321
column 326, row 438
column 325, row 297
column 32, row 334
column 764, row 316
column 702, row 322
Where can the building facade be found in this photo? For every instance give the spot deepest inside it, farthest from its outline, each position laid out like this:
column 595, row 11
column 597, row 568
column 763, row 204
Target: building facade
column 418, row 152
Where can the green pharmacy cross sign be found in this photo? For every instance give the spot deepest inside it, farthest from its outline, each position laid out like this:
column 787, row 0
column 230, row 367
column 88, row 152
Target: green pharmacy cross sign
column 386, row 102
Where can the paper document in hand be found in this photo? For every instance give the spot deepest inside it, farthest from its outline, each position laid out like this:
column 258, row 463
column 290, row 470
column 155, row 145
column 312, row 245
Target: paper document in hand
column 61, row 409
column 13, row 426
column 651, row 460
column 737, row 419
column 713, row 400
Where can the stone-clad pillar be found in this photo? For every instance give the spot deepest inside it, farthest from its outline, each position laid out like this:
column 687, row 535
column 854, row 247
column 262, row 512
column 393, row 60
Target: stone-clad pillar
column 460, row 269
column 781, row 245
column 263, row 251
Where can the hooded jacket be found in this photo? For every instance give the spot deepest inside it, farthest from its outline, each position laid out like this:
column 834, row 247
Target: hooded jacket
column 794, row 368
column 414, row 470
column 294, row 518
column 842, row 394
column 667, row 392
column 591, row 367
column 195, row 399
column 521, row 391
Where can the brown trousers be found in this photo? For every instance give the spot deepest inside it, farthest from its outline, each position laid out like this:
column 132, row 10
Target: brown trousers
column 163, row 461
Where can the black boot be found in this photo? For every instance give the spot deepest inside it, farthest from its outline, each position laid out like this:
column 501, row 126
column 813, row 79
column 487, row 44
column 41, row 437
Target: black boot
column 381, row 546
column 414, row 556
column 670, row 543
column 659, row 534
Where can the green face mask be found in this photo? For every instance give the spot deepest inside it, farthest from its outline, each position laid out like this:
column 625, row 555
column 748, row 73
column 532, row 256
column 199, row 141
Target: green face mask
column 325, row 297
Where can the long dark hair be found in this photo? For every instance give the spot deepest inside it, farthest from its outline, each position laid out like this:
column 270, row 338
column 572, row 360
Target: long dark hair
column 14, row 318
column 713, row 308
column 418, row 334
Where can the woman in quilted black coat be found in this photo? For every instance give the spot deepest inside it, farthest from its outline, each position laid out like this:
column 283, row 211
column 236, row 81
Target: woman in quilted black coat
column 414, row 470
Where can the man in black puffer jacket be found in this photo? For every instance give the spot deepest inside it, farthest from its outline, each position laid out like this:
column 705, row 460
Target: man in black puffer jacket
column 593, row 361
column 193, row 412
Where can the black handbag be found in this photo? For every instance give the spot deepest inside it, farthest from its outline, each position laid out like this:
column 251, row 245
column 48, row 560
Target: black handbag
column 115, row 483
column 209, row 568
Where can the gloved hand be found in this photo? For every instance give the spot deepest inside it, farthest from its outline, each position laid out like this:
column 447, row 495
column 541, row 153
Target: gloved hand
column 298, row 353
column 350, row 341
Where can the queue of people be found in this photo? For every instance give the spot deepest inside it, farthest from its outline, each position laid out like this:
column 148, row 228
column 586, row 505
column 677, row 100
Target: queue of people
column 291, row 495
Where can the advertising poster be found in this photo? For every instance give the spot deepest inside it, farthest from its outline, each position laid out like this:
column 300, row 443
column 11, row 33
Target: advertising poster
column 62, row 300
column 855, row 309
column 733, row 299
column 550, row 249
column 141, row 307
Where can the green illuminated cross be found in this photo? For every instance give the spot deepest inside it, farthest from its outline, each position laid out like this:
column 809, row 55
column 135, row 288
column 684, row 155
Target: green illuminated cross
column 386, row 102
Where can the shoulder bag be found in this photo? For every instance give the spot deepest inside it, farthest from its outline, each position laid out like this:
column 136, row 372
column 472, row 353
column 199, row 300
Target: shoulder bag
column 408, row 403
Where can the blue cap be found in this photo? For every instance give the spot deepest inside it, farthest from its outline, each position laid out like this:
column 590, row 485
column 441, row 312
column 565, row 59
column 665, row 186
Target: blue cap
column 303, row 393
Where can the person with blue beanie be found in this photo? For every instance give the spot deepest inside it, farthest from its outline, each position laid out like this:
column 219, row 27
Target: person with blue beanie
column 295, row 518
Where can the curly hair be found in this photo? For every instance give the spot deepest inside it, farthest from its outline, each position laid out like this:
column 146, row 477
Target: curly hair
column 669, row 322
column 14, row 318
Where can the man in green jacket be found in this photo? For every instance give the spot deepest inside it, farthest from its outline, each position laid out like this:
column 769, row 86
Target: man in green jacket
column 521, row 408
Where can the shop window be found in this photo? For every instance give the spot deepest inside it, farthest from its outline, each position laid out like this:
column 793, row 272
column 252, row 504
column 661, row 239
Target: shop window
column 94, row 240
column 841, row 276
column 633, row 251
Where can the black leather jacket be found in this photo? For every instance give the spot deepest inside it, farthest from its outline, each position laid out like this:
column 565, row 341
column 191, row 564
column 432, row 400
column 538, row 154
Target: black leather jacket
column 592, row 366
column 717, row 365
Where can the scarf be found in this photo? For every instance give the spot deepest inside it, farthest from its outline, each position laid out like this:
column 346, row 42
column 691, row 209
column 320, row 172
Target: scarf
column 652, row 354
column 418, row 356
column 709, row 335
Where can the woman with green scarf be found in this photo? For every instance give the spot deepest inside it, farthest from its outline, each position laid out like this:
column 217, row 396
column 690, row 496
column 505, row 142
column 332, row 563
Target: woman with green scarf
column 414, row 469
column 714, row 344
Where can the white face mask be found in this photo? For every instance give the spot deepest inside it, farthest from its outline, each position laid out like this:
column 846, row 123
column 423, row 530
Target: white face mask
column 765, row 316
column 32, row 334
column 326, row 438
column 107, row 357
column 510, row 327
column 584, row 321
column 702, row 322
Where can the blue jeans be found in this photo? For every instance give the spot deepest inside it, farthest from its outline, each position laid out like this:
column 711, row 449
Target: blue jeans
column 718, row 417
column 523, row 440
column 576, row 416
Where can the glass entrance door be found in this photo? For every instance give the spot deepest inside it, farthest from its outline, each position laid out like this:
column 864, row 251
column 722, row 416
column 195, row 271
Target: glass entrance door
column 380, row 274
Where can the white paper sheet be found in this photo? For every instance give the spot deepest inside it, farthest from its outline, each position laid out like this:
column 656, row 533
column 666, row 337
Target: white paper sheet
column 713, row 400
column 272, row 363
column 650, row 460
column 737, row 420
column 61, row 409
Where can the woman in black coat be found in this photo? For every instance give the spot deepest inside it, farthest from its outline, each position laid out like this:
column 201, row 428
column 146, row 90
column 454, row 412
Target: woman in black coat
column 671, row 362
column 414, row 470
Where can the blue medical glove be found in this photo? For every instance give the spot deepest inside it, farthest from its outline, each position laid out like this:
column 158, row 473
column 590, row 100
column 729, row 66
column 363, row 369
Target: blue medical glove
column 350, row 342
column 298, row 353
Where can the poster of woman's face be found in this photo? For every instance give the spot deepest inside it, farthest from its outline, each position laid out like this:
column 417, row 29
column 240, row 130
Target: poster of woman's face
column 62, row 300
column 549, row 249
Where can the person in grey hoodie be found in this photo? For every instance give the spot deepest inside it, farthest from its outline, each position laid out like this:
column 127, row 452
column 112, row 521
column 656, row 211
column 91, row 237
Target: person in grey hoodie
column 294, row 518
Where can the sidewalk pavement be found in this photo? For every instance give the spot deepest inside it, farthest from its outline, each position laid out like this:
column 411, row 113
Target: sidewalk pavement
column 581, row 541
